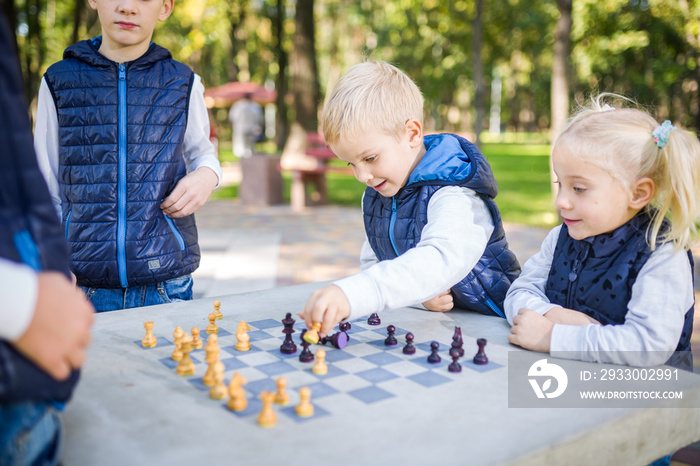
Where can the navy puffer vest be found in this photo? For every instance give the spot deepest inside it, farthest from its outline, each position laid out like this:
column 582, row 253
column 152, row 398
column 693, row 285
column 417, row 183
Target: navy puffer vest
column 30, row 232
column 121, row 132
column 394, row 225
column 595, row 275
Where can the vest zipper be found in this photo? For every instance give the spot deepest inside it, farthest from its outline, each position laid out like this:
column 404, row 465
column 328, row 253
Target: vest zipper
column 491, row 305
column 68, row 223
column 27, row 250
column 121, row 180
column 392, row 222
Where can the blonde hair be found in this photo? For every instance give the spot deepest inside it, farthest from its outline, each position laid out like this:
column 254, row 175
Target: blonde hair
column 371, row 95
column 620, row 142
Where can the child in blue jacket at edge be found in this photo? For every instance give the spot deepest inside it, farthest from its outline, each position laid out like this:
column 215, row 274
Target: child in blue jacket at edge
column 44, row 319
column 614, row 283
column 434, row 233
column 122, row 137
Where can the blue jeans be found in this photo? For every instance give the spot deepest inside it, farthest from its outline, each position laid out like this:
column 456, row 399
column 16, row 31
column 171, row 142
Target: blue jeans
column 112, row 299
column 31, row 434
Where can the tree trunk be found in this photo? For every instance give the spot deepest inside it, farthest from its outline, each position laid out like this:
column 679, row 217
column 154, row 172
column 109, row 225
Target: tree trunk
column 560, row 81
column 281, row 123
column 77, row 20
column 305, row 89
column 480, row 91
column 236, row 18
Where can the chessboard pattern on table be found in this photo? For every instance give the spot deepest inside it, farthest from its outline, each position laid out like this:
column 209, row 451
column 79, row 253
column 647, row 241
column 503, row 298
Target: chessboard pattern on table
column 366, row 369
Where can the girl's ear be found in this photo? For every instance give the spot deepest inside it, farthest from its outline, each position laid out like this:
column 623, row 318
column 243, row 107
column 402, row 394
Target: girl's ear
column 642, row 192
column 414, row 129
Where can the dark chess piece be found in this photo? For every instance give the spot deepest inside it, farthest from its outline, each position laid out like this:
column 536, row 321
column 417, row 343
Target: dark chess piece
column 306, row 354
column 391, row 339
column 454, row 366
column 409, row 348
column 457, row 341
column 480, row 357
column 338, row 340
column 374, row 319
column 434, row 357
column 344, row 327
column 288, row 346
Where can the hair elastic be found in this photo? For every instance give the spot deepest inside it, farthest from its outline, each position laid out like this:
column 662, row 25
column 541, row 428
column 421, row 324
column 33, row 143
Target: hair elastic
column 660, row 134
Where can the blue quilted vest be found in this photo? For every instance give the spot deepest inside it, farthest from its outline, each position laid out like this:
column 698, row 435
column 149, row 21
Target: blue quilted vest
column 394, row 225
column 121, row 132
column 595, row 275
column 30, row 232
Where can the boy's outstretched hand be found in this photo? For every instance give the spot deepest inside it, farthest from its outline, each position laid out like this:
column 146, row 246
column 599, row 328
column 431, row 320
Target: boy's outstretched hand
column 327, row 305
column 190, row 193
column 59, row 332
column 440, row 303
column 531, row 331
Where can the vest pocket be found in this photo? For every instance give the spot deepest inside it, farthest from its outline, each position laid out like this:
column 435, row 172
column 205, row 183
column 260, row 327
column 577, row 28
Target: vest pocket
column 176, row 232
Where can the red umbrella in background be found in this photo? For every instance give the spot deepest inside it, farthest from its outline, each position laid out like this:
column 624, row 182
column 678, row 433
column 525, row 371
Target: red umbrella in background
column 227, row 94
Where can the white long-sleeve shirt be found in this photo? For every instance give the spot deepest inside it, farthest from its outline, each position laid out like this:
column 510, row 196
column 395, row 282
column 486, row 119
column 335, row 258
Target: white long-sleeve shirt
column 19, row 289
column 199, row 150
column 661, row 295
column 452, row 242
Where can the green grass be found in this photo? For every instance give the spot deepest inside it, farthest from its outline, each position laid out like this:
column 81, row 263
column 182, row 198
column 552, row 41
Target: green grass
column 521, row 170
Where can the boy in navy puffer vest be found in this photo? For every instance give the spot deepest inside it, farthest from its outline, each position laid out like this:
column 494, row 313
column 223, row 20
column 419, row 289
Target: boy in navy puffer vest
column 122, row 137
column 434, row 233
column 44, row 320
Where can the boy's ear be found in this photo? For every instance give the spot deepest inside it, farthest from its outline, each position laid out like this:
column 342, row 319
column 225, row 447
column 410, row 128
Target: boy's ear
column 167, row 9
column 93, row 4
column 414, row 130
column 642, row 192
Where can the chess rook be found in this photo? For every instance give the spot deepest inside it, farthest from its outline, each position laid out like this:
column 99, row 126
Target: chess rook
column 480, row 357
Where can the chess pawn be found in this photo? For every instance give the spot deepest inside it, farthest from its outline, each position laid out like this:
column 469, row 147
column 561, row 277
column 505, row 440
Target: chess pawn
column 212, row 356
column 320, row 367
column 434, row 357
column 196, row 341
column 149, row 341
column 455, row 366
column 217, row 313
column 218, row 391
column 409, row 348
column 281, row 397
column 390, row 339
column 374, row 319
column 267, row 416
column 177, row 336
column 304, row 408
column 480, row 357
column 312, row 335
column 243, row 343
column 186, row 366
column 212, row 328
column 306, row 355
column 238, row 401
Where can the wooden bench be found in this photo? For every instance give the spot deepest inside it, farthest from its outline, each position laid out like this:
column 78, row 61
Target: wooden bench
column 309, row 185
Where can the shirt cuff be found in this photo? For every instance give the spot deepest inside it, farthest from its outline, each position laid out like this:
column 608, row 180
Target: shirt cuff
column 19, row 289
column 355, row 288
